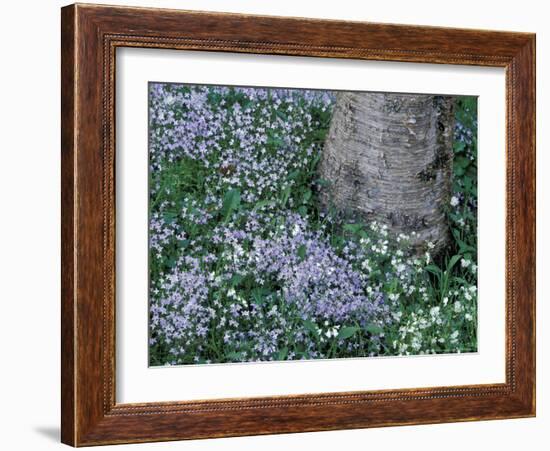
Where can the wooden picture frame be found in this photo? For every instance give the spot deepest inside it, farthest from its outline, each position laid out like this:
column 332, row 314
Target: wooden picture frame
column 90, row 35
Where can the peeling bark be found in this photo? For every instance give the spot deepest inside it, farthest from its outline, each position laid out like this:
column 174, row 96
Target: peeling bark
column 389, row 158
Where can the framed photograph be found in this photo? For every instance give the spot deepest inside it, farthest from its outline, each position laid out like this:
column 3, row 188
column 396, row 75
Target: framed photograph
column 278, row 225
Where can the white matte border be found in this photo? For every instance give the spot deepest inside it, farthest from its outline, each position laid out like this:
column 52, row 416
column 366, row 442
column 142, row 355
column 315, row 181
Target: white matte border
column 138, row 383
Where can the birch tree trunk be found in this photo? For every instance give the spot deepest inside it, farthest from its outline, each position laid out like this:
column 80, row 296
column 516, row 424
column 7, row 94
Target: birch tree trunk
column 388, row 157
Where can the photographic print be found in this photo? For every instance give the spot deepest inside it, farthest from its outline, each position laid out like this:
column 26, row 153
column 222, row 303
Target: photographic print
column 292, row 224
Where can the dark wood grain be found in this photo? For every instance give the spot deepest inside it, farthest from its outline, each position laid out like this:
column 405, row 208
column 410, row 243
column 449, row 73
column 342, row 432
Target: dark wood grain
column 68, row 313
column 90, row 36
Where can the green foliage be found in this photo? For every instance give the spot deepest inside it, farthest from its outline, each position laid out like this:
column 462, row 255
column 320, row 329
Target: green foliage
column 231, row 202
column 347, row 332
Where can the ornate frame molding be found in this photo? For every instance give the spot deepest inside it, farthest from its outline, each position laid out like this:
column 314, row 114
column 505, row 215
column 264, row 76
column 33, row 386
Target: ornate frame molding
column 90, row 36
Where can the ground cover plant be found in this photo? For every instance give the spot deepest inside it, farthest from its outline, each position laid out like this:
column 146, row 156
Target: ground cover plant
column 248, row 264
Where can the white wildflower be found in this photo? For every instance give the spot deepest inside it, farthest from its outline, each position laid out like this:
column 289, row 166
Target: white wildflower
column 454, row 336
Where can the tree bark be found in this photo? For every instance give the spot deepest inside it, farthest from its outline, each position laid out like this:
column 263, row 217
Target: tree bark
column 388, row 157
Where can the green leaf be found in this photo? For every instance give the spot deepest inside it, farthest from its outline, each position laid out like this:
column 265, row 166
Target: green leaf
column 459, row 146
column 337, row 241
column 347, row 332
column 462, row 280
column 293, row 175
column 285, row 196
column 464, row 247
column 302, row 209
column 233, row 355
column 307, row 196
column 462, row 162
column 257, row 296
column 172, row 261
column 314, row 161
column 282, row 354
column 183, row 243
column 302, row 252
column 373, row 329
column 275, row 141
column 281, row 114
column 353, row 228
column 169, row 217
column 231, row 201
column 311, row 327
column 433, row 269
column 467, row 183
column 236, row 279
column 322, row 182
column 393, row 285
column 454, row 259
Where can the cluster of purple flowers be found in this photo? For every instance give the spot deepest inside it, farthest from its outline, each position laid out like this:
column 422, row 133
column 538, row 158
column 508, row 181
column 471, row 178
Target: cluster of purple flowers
column 322, row 284
column 297, row 279
column 252, row 147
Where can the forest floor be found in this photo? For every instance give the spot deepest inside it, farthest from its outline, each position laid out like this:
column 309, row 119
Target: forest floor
column 245, row 266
